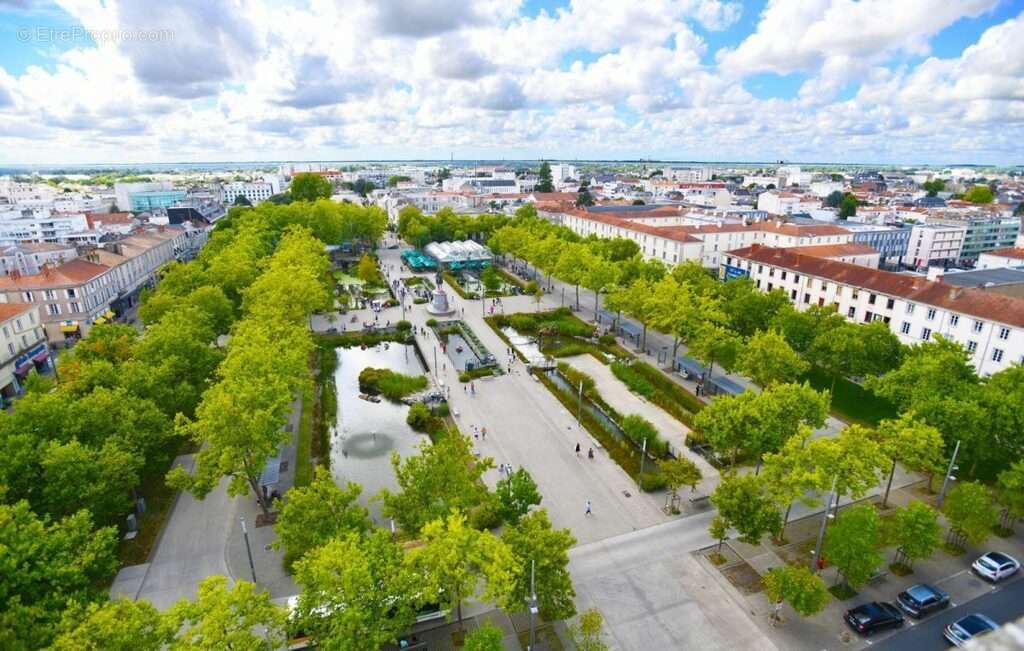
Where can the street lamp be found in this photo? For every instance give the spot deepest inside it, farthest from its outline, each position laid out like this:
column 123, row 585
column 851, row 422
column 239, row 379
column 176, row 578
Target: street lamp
column 949, row 475
column 248, row 549
column 643, row 456
column 533, row 603
column 816, row 554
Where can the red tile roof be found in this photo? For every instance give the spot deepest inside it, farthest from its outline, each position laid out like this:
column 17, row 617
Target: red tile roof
column 10, row 310
column 974, row 302
column 833, row 250
column 1009, row 252
column 75, row 272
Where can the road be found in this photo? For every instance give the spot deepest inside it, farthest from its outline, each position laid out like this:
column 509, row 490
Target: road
column 1004, row 603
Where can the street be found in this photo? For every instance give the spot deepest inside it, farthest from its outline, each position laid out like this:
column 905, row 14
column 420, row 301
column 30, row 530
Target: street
column 1003, row 603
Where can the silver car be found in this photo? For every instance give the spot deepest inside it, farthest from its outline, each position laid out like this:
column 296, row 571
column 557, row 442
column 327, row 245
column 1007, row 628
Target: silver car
column 995, row 566
column 968, row 628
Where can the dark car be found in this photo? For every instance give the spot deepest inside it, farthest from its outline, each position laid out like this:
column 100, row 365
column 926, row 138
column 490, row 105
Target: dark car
column 874, row 616
column 921, row 599
column 968, row 628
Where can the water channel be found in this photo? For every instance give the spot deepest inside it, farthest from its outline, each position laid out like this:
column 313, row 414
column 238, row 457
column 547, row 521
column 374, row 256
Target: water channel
column 367, row 432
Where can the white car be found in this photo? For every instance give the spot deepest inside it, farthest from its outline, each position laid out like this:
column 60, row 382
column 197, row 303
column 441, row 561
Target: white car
column 995, row 566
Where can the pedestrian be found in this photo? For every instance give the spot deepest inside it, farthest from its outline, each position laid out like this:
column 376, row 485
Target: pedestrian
column 577, row 449
column 476, row 435
column 464, row 388
column 588, row 511
column 483, row 433
column 590, row 453
column 472, row 389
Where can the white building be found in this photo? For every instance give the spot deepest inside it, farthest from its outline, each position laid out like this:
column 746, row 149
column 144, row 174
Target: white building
column 777, row 202
column 27, row 258
column 999, row 258
column 934, row 244
column 562, row 171
column 687, row 174
column 254, row 191
column 824, row 188
column 989, row 325
column 22, row 346
column 46, row 226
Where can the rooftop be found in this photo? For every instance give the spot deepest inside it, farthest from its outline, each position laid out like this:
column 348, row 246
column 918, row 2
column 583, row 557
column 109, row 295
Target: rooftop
column 75, row 272
column 10, row 310
column 1009, row 252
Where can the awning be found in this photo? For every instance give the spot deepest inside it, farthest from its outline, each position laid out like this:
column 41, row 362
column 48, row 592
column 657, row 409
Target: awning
column 100, row 320
column 69, row 326
column 23, row 364
column 271, row 472
column 41, row 356
column 109, row 314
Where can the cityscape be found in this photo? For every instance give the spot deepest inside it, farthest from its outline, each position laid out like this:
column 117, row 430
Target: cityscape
column 515, row 325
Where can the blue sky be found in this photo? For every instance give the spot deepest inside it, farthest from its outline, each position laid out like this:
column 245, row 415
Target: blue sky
column 853, row 80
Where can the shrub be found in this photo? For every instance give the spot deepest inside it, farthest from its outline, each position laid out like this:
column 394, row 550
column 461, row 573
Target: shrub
column 464, row 377
column 530, row 287
column 431, row 323
column 394, row 386
column 442, row 410
column 403, row 326
column 419, row 301
column 419, row 417
column 651, row 481
column 606, row 339
column 485, row 515
column 639, row 429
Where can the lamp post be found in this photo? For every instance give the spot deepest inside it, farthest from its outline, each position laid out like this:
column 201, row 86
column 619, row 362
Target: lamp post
column 949, row 475
column 643, row 457
column 248, row 549
column 821, row 531
column 533, row 603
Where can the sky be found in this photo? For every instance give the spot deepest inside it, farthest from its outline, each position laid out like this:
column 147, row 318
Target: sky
column 858, row 81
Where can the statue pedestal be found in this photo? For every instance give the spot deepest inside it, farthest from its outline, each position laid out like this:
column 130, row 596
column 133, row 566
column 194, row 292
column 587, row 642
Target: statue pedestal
column 439, row 303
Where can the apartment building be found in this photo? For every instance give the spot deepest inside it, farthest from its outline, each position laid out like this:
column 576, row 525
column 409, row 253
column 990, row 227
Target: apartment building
column 787, row 203
column 42, row 225
column 983, row 232
column 255, row 191
column 27, row 258
column 23, row 346
column 934, row 245
column 890, row 241
column 998, row 258
column 989, row 325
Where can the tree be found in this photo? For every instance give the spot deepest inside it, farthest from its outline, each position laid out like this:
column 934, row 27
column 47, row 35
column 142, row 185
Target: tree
column 119, row 625
column 395, row 179
column 242, row 200
column 747, row 507
column 979, row 194
column 444, row 476
column 970, row 512
column 315, row 514
column 792, row 474
column 584, row 198
column 796, row 585
column 834, row 199
column 912, row 442
column 848, row 206
column 724, row 423
column 366, row 270
column 357, row 593
column 309, row 186
column 573, row 265
column 600, row 275
column 715, row 343
column 46, row 564
column 767, row 359
column 226, row 618
column 677, row 472
column 455, row 559
column 587, row 633
column 916, row 532
column 718, row 529
column 933, row 187
column 854, row 459
column 535, row 544
column 544, row 181
column 801, row 327
column 851, row 544
column 1010, row 492
column 490, row 279
column 516, row 493
column 362, row 187
column 76, row 476
column 487, row 637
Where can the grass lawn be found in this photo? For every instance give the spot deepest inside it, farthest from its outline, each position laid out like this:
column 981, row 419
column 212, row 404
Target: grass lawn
column 304, row 446
column 159, row 498
column 851, row 402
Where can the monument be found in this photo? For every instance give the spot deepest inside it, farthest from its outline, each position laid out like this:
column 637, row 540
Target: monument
column 439, row 303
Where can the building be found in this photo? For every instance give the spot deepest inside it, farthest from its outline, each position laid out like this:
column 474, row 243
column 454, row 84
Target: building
column 1001, row 280
column 890, row 241
column 989, row 325
column 1007, row 257
column 70, row 297
column 560, row 172
column 851, row 252
column 934, row 245
column 255, row 191
column 150, row 200
column 45, row 226
column 196, row 211
column 466, row 254
column 984, row 232
column 23, row 346
column 27, row 258
column 787, row 203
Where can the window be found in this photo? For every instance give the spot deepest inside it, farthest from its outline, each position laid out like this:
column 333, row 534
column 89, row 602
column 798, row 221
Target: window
column 910, row 308
column 27, row 296
column 17, row 324
column 953, row 320
column 926, row 334
column 10, row 348
column 930, row 315
column 997, row 354
column 792, row 295
column 24, row 340
column 771, row 272
column 783, row 275
column 978, row 325
column 7, row 331
column 871, row 299
column 759, row 284
column 52, row 309
column 75, row 307
column 851, row 313
column 890, row 303
column 49, row 294
column 796, row 278
column 807, row 298
column 972, row 346
column 1004, row 333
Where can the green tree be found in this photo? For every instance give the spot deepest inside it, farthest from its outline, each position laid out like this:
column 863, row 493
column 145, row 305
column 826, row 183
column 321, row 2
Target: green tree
column 544, row 181
column 242, row 200
column 309, row 186
column 76, row 476
column 792, row 474
column 635, row 300
column 119, row 625
column 573, row 266
column 226, row 618
column 724, row 423
column 748, row 308
column 46, row 564
column 801, row 327
column 516, row 493
column 715, row 343
column 979, row 194
column 444, row 476
column 916, row 532
column 395, row 179
column 357, row 593
column 679, row 471
column 719, row 530
column 745, row 504
column 487, row 637
column 588, row 632
column 315, row 514
column 640, row 430
column 534, row 541
column 933, row 187
column 854, row 459
column 796, row 585
column 490, row 279
column 584, row 198
column 848, row 206
column 834, row 199
column 1010, row 493
column 851, row 544
column 455, row 559
column 767, row 359
column 912, row 442
column 971, row 514
column 600, row 275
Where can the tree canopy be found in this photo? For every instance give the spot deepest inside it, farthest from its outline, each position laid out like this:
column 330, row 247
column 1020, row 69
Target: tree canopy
column 309, row 186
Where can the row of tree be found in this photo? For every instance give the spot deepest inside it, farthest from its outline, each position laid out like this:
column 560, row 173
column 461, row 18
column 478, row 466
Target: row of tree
column 445, row 226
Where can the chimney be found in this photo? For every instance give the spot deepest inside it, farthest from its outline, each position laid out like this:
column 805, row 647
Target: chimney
column 955, row 293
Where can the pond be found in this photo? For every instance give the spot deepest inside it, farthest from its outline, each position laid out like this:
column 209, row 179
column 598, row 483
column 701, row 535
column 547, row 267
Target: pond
column 367, row 432
column 461, row 353
column 607, row 423
column 525, row 344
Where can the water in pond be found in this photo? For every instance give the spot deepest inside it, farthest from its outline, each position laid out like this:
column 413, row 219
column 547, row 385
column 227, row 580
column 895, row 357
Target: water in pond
column 460, row 352
column 525, row 344
column 367, row 432
column 606, row 422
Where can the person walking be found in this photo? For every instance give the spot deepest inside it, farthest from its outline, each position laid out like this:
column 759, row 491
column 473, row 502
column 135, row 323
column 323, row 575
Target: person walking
column 590, row 454
column 472, row 389
column 588, row 511
column 483, row 433
column 577, row 449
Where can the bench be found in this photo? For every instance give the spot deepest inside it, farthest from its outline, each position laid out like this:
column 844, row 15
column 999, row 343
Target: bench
column 878, row 576
column 700, row 500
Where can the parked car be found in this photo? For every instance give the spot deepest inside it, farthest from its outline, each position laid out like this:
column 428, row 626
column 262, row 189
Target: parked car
column 921, row 599
column 995, row 566
column 968, row 628
column 874, row 616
